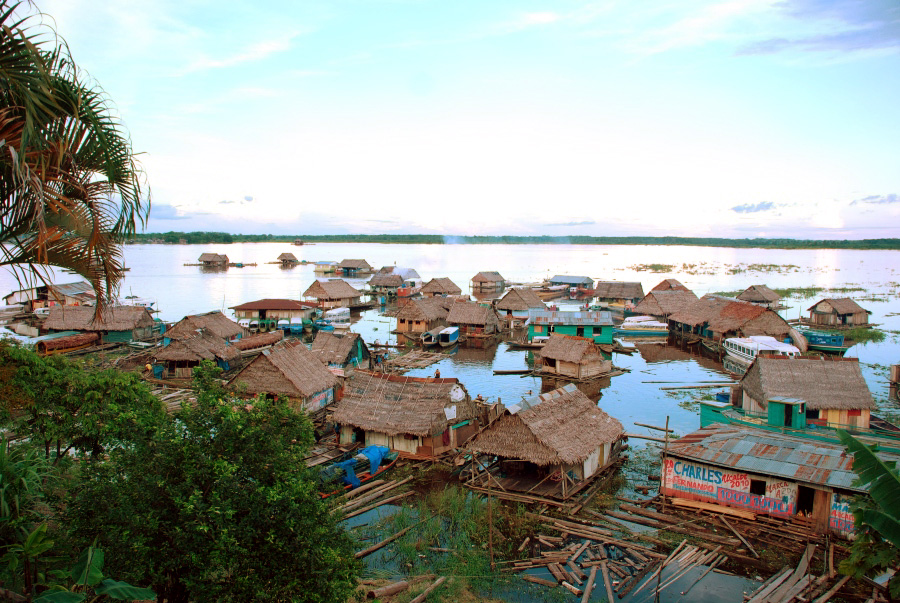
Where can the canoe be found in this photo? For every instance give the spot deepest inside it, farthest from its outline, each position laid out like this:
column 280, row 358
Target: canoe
column 334, row 478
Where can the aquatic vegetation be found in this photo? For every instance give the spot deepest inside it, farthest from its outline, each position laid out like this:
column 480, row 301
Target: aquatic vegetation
column 801, row 292
column 864, row 335
column 656, row 268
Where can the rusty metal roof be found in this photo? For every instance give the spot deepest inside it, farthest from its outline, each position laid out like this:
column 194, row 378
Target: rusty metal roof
column 771, row 454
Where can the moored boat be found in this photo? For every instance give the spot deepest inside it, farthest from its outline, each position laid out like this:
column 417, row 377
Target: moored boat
column 430, row 338
column 339, row 318
column 826, row 342
column 362, row 467
column 641, row 326
column 448, row 337
column 744, row 350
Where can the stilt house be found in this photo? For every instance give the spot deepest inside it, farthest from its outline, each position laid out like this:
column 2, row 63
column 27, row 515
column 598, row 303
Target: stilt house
column 718, row 318
column 473, row 320
column 438, row 287
column 270, row 314
column 551, row 445
column 354, row 268
column 333, row 293
column 597, row 325
column 619, row 293
column 670, row 284
column 386, row 283
column 578, row 282
column 575, row 357
column 288, row 259
column 117, row 323
column 842, row 312
column 660, row 304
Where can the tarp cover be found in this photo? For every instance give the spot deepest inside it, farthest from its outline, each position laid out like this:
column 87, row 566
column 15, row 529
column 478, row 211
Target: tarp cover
column 349, row 468
column 374, row 454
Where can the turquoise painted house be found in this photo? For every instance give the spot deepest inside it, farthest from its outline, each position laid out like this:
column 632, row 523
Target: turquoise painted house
column 594, row 325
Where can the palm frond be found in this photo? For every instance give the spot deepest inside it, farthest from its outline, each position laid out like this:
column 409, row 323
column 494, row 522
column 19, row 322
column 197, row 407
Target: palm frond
column 883, row 483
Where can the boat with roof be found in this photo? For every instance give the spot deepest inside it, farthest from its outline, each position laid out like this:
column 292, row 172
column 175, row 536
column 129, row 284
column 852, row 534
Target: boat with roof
column 642, row 326
column 744, row 350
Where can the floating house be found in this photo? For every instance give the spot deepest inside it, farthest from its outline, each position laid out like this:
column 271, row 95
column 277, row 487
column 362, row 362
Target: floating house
column 767, row 472
column 660, row 304
column 761, row 296
column 488, row 282
column 333, row 293
column 619, row 293
column 670, row 284
column 552, row 445
column 578, row 282
column 841, row 312
column 418, row 416
column 271, row 314
column 387, row 284
column 718, row 318
column 213, row 260
column 421, row 315
column 288, row 259
column 341, row 350
column 43, row 296
column 513, row 307
column 595, row 325
column 325, row 267
column 575, row 357
column 181, row 356
column 291, row 372
column 116, row 324
column 473, row 320
column 438, row 287
column 214, row 323
column 354, row 268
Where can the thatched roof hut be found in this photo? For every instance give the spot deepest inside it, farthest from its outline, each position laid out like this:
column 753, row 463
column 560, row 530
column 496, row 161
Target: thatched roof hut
column 577, row 357
column 838, row 312
column 286, row 370
column 390, row 281
column 357, row 265
column 288, row 258
column 725, row 317
column 520, row 299
column 440, row 286
column 124, row 319
column 489, row 276
column 468, row 314
column 340, row 349
column 661, row 304
column 759, row 294
column 426, row 309
column 821, row 383
column 202, row 346
column 396, row 405
column 618, row 290
column 562, row 427
column 332, row 290
column 670, row 284
column 213, row 259
column 215, row 323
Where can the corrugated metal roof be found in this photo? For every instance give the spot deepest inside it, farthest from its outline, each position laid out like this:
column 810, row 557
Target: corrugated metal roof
column 548, row 317
column 565, row 279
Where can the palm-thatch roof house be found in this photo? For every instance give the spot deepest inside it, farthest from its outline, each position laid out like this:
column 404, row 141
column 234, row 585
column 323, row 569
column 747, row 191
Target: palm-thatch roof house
column 417, row 416
column 841, row 312
column 440, row 286
column 116, row 324
column 515, row 304
column 292, row 372
column 354, row 268
column 619, row 293
column 178, row 359
column 718, row 318
column 660, row 304
column 473, row 320
column 288, row 259
column 834, row 391
column 670, row 284
column 269, row 314
column 386, row 283
column 213, row 260
column 341, row 350
column 488, row 282
column 333, row 293
column 551, row 445
column 420, row 315
column 760, row 295
column 214, row 323
column 575, row 357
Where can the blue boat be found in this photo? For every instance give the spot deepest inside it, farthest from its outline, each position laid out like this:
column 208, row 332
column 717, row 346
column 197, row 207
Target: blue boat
column 826, row 342
column 448, row 337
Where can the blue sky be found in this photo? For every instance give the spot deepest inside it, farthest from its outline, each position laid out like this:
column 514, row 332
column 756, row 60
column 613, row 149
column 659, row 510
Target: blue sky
column 698, row 118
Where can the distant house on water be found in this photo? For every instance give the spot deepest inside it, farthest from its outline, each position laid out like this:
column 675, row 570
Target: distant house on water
column 841, row 312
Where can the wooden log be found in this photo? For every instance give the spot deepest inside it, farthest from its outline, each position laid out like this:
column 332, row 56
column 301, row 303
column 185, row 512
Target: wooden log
column 557, row 572
column 378, row 504
column 378, row 545
column 719, row 560
column 606, row 581
column 524, row 544
column 736, row 533
column 575, row 591
column 637, row 579
column 654, row 427
column 797, row 574
column 590, row 586
column 721, row 509
column 363, row 489
column 638, row 436
column 385, row 591
column 580, row 550
column 833, row 590
column 428, row 590
column 373, row 495
column 762, row 593
column 576, row 571
column 536, row 580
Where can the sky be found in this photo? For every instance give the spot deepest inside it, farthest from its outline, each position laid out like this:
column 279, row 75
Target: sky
column 736, row 118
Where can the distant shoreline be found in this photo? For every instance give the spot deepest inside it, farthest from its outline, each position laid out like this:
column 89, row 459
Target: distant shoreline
column 175, row 238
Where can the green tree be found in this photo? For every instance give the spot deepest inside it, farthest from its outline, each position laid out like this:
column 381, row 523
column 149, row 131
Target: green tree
column 876, row 547
column 216, row 506
column 70, row 189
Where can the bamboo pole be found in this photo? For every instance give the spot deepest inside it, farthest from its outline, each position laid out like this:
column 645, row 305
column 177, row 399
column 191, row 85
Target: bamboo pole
column 738, row 534
column 663, row 472
column 363, row 488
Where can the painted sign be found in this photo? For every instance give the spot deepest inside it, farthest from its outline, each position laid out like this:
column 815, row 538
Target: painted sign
column 781, row 490
column 754, row 502
column 318, row 401
column 840, row 518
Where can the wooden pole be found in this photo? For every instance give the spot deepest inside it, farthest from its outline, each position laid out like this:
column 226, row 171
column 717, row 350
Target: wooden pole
column 663, row 472
column 490, row 524
column 378, row 545
column 589, row 586
column 390, row 589
column 428, row 590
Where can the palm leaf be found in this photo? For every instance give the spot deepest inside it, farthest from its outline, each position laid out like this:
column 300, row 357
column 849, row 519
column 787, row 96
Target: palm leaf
column 883, row 484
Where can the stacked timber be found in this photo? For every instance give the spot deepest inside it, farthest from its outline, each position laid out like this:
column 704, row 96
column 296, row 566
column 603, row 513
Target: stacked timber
column 799, row 584
column 371, row 496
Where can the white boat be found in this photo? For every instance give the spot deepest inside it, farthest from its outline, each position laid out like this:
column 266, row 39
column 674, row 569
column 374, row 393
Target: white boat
column 745, row 349
column 642, row 325
column 339, row 318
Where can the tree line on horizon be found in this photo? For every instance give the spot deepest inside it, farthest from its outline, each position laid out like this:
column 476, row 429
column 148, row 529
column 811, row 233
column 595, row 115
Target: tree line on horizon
column 202, row 237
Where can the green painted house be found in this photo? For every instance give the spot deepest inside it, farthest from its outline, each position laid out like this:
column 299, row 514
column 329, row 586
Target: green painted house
column 596, row 325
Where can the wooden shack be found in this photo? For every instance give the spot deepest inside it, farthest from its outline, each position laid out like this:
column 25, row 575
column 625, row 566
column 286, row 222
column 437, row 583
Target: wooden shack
column 213, row 260
column 291, row 372
column 575, row 357
column 573, row 282
column 333, row 293
column 341, row 350
column 597, row 325
column 488, row 282
column 513, row 307
column 116, row 324
column 619, row 293
column 473, row 320
column 761, row 296
column 438, row 287
column 420, row 315
column 841, row 312
column 43, row 296
column 551, row 445
column 214, row 322
column 354, row 268
column 420, row 417
column 288, row 259
column 386, row 283
column 178, row 359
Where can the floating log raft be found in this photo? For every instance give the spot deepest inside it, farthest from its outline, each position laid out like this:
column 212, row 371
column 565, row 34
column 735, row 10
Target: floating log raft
column 413, row 360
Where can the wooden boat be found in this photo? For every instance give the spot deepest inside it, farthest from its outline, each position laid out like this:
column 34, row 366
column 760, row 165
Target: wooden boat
column 448, row 337
column 826, row 342
column 525, row 345
column 744, row 350
column 329, row 454
column 332, row 474
column 430, row 338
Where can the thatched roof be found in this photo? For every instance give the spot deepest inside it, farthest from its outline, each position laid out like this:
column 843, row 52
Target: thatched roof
column 213, row 257
column 274, row 304
column 561, row 427
column 259, row 340
column 386, row 280
column 488, row 277
column 823, row 384
column 114, row 318
column 842, row 305
column 468, row 313
column 354, row 265
column 759, row 294
column 618, row 290
column 202, row 346
column 335, row 348
column 569, row 348
column 287, row 370
column 427, row 309
column 331, row 289
column 214, row 322
column 663, row 303
column 520, row 299
column 670, row 284
column 394, row 404
column 724, row 315
column 441, row 285
column 287, row 257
